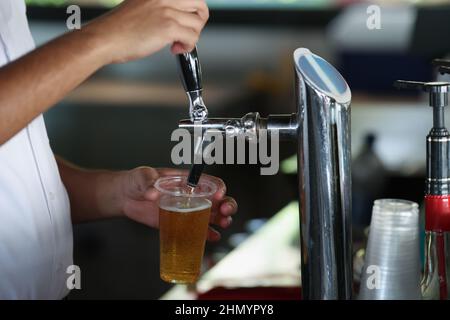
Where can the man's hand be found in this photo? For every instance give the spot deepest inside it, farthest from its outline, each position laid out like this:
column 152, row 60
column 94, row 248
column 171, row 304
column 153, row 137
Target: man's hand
column 105, row 194
column 138, row 28
column 135, row 29
column 139, row 199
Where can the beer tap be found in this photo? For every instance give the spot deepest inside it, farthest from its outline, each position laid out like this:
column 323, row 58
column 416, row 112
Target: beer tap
column 321, row 128
column 436, row 280
column 191, row 76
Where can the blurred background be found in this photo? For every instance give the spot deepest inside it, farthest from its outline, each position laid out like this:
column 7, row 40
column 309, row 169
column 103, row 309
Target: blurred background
column 123, row 116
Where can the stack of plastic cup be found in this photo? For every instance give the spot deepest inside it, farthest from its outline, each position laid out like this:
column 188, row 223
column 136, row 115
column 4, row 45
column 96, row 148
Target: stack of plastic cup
column 392, row 262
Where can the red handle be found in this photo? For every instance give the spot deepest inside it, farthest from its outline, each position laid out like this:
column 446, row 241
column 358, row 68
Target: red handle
column 437, row 213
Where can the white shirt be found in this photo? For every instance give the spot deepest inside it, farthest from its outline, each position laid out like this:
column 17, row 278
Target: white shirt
column 35, row 226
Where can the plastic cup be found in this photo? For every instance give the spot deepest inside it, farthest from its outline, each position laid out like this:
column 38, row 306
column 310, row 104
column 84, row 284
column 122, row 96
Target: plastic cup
column 392, row 262
column 184, row 216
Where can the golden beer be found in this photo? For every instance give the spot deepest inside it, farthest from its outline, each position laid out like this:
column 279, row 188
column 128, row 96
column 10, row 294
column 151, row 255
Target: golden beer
column 183, row 233
column 184, row 215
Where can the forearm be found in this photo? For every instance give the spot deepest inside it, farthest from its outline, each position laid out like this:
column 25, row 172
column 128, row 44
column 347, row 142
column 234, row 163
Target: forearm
column 38, row 80
column 135, row 29
column 93, row 194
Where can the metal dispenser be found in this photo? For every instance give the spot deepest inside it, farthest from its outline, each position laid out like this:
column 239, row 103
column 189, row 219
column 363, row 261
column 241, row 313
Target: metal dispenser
column 436, row 280
column 321, row 127
column 191, row 76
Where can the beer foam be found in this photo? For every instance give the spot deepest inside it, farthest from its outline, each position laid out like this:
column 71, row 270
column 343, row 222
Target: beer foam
column 193, row 206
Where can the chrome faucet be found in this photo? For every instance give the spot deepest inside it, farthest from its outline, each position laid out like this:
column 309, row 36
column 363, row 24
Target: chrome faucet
column 321, row 127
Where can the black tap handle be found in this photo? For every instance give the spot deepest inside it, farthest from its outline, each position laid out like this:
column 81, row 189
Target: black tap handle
column 190, row 70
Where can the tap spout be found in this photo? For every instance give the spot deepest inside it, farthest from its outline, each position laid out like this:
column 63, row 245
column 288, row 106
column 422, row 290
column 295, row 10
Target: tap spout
column 248, row 126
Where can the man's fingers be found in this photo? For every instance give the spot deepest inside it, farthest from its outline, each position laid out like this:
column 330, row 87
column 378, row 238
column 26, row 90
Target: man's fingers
column 198, row 6
column 177, row 48
column 228, row 206
column 221, row 221
column 188, row 37
column 223, row 212
column 151, row 194
column 186, row 19
column 171, row 172
column 213, row 235
column 221, row 187
column 148, row 175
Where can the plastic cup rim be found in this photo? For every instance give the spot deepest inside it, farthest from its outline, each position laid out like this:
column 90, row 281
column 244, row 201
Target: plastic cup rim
column 183, row 178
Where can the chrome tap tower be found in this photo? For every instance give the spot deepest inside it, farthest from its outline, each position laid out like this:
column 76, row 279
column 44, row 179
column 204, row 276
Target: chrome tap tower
column 321, row 127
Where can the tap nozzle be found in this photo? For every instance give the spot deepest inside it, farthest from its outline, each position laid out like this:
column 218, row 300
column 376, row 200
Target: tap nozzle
column 191, row 76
